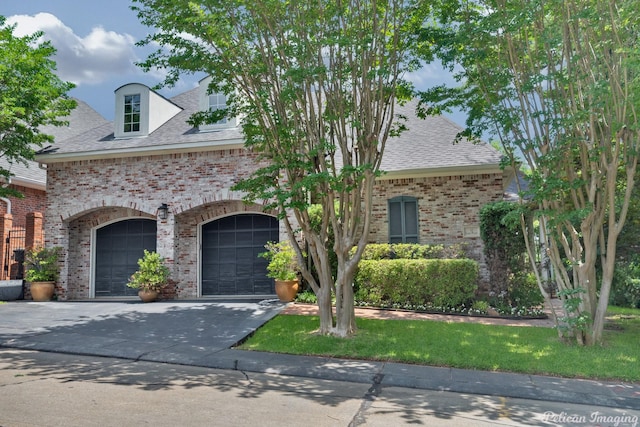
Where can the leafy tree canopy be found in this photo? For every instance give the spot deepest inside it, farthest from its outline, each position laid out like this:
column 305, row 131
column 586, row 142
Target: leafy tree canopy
column 31, row 96
column 558, row 82
column 315, row 83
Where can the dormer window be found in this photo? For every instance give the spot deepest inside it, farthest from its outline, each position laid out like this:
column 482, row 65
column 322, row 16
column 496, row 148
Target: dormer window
column 132, row 113
column 140, row 111
column 218, row 101
column 213, row 101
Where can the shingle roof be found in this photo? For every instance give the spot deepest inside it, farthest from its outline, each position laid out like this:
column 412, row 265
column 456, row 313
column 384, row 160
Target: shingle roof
column 82, row 119
column 174, row 132
column 427, row 144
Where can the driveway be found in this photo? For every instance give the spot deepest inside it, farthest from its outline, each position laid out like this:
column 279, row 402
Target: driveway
column 170, row 331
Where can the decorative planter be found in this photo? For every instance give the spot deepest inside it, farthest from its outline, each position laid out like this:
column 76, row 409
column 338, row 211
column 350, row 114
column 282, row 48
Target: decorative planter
column 42, row 291
column 148, row 296
column 287, row 289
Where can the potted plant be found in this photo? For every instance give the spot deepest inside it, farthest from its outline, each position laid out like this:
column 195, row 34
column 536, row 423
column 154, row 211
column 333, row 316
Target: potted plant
column 42, row 271
column 151, row 276
column 283, row 268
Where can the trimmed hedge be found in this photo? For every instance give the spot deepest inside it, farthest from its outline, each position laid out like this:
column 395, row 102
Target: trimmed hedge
column 438, row 283
column 377, row 251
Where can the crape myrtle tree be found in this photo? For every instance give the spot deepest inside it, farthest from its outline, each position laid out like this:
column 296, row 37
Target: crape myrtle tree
column 31, row 96
column 315, row 83
column 557, row 82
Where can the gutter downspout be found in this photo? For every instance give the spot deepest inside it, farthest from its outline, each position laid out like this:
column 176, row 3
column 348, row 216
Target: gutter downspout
column 8, row 202
column 4, row 199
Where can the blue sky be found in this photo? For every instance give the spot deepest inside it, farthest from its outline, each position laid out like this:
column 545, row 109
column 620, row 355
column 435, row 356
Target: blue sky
column 95, row 42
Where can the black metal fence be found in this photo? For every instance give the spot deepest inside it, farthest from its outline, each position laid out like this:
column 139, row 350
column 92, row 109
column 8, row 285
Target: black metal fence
column 14, row 255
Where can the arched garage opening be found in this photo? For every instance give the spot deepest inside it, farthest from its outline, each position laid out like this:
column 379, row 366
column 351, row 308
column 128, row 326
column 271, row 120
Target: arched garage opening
column 230, row 248
column 118, row 247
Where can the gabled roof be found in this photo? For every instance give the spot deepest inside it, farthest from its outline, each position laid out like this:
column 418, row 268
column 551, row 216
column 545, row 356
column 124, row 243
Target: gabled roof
column 82, row 119
column 426, row 147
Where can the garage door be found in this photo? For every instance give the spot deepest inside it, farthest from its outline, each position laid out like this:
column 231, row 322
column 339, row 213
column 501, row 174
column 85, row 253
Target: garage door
column 118, row 248
column 230, row 248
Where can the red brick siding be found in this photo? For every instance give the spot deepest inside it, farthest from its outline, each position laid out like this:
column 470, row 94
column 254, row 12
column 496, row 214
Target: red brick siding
column 83, row 195
column 448, row 208
column 196, row 186
column 33, row 201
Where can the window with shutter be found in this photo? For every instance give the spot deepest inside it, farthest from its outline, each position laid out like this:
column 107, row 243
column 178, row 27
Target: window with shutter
column 403, row 220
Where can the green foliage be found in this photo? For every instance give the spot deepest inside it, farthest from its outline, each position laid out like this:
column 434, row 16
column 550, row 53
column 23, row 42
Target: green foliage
column 480, row 306
column 152, row 273
column 377, row 251
column 306, row 297
column 523, row 291
column 558, row 82
column 31, row 96
column 41, row 264
column 316, row 84
column 625, row 290
column 628, row 247
column 422, row 283
column 283, row 264
column 575, row 320
column 504, row 245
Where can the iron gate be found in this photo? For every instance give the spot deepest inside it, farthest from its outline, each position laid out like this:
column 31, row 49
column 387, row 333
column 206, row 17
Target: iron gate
column 14, row 255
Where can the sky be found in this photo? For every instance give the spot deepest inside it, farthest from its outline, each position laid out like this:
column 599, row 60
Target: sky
column 95, row 42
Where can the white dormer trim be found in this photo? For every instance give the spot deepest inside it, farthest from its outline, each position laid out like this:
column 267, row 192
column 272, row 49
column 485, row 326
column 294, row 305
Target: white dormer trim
column 231, row 122
column 155, row 110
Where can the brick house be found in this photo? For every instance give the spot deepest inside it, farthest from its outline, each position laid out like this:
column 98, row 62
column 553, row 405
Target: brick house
column 108, row 189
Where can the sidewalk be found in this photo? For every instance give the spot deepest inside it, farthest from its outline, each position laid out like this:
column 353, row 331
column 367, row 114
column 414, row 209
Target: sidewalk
column 202, row 333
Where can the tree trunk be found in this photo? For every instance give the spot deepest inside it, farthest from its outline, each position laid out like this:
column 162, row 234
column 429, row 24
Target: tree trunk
column 345, row 311
column 325, row 310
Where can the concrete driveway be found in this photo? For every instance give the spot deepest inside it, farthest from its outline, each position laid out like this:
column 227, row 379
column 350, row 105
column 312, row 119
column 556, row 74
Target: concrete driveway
column 169, row 331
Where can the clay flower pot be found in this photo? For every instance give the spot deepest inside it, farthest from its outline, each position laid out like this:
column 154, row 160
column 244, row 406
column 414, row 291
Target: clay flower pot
column 42, row 291
column 148, row 296
column 287, row 289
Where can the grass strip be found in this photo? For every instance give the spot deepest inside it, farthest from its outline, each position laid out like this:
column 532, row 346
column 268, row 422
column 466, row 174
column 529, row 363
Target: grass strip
column 532, row 350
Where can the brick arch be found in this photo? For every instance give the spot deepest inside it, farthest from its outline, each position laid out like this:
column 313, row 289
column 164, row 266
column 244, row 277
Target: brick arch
column 219, row 196
column 187, row 223
column 81, row 209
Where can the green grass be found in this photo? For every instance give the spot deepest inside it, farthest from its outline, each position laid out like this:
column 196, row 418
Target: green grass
column 533, row 350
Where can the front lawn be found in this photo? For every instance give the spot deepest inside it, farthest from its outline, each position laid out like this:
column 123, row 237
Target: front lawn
column 533, row 350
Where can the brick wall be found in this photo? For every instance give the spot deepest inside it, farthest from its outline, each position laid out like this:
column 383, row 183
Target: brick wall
column 85, row 195
column 33, row 201
column 196, row 187
column 448, row 208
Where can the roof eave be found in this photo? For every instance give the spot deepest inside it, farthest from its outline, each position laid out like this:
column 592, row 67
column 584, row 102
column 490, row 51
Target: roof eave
column 47, row 158
column 28, row 183
column 490, row 168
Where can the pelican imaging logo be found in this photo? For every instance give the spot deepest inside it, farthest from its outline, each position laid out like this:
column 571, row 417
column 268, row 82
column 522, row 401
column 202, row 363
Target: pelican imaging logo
column 596, row 418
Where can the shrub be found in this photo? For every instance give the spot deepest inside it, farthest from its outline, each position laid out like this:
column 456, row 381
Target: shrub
column 430, row 283
column 504, row 244
column 42, row 264
column 480, row 307
column 307, row 297
column 524, row 291
column 151, row 275
column 283, row 263
column 378, row 251
column 625, row 288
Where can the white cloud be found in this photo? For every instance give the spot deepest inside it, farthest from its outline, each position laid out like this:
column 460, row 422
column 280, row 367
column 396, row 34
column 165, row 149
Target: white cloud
column 430, row 75
column 83, row 60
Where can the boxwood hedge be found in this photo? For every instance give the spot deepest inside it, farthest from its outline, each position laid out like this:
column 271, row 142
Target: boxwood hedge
column 437, row 283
